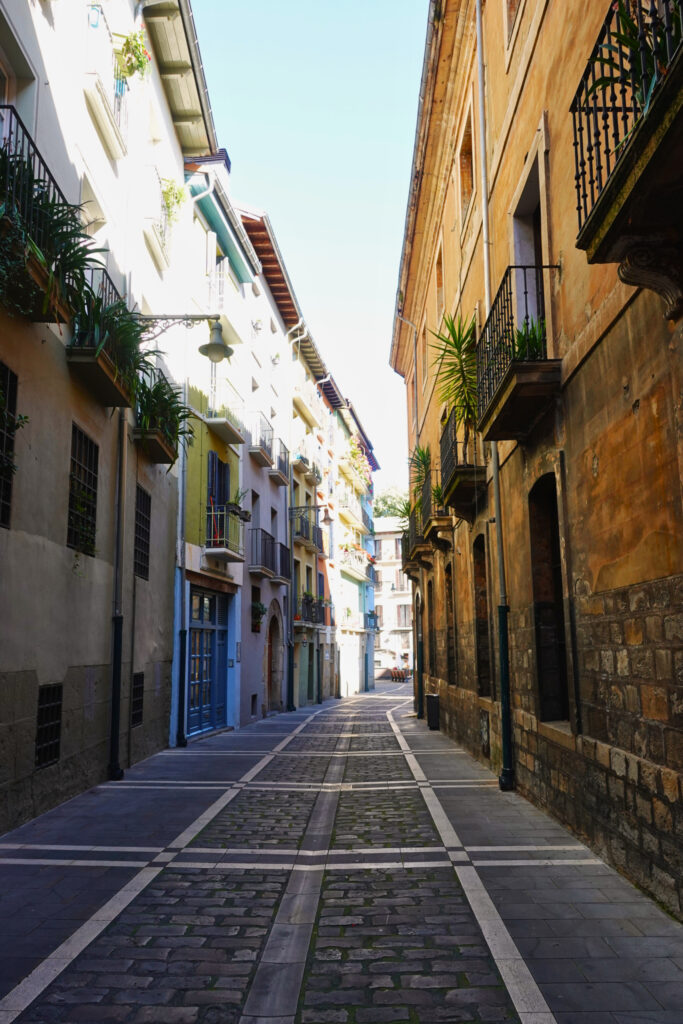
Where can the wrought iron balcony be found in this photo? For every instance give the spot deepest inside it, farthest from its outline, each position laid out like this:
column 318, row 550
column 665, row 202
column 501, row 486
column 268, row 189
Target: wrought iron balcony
column 516, row 381
column 305, row 529
column 367, row 520
column 27, row 187
column 627, row 119
column 435, row 517
column 309, row 610
column 106, row 87
column 262, row 554
column 371, row 574
column 283, row 571
column 224, row 534
column 261, row 440
column 280, row 468
column 463, row 481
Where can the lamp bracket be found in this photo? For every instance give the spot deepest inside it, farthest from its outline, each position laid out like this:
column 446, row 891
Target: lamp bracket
column 156, row 325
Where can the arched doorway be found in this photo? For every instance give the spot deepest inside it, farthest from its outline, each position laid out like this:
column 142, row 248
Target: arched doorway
column 272, row 665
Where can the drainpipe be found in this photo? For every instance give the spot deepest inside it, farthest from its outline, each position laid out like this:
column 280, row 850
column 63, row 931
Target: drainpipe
column 506, row 779
column 181, row 736
column 115, row 770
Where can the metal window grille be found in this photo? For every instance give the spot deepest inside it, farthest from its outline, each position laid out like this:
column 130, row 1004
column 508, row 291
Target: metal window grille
column 137, row 698
column 8, row 412
column 143, row 525
column 48, row 724
column 82, row 493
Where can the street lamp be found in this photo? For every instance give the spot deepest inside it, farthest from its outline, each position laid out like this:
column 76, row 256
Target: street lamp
column 216, row 349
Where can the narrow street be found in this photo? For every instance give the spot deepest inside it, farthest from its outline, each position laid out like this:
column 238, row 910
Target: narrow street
column 337, row 865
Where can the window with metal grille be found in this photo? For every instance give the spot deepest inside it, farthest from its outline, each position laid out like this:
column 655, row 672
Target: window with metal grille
column 143, row 520
column 82, row 493
column 48, row 724
column 8, row 413
column 137, row 698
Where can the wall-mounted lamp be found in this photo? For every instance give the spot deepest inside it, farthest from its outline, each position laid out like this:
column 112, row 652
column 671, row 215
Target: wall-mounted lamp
column 216, row 349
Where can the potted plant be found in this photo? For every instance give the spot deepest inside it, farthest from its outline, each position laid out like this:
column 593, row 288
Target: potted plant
column 134, row 57
column 173, row 195
column 162, row 419
column 105, row 350
column 529, row 339
column 456, row 363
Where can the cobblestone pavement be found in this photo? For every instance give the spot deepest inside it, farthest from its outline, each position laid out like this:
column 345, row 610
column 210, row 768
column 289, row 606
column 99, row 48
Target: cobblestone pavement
column 337, row 865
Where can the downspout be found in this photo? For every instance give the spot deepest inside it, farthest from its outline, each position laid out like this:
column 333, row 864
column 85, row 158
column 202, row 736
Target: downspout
column 506, row 779
column 181, row 735
column 115, row 770
column 419, row 680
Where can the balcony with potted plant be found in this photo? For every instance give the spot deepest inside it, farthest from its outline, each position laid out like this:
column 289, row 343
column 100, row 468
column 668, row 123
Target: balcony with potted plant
column 516, row 380
column 162, row 419
column 627, row 117
column 106, row 82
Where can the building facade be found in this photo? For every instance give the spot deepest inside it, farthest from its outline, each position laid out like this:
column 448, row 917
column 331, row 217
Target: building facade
column 545, row 540
column 89, row 505
column 393, row 598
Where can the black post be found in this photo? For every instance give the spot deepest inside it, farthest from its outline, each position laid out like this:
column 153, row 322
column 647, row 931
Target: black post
column 115, row 769
column 181, row 738
column 506, row 779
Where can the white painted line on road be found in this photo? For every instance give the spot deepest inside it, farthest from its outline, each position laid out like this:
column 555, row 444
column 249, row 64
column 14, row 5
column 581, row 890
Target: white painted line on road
column 524, row 849
column 63, row 863
column 543, row 862
column 16, row 1001
column 85, row 849
column 188, row 834
column 522, row 988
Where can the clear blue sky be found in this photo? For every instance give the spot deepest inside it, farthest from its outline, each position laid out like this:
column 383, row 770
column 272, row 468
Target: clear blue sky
column 316, row 102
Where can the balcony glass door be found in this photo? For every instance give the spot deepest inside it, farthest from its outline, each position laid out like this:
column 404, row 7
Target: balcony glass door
column 208, row 664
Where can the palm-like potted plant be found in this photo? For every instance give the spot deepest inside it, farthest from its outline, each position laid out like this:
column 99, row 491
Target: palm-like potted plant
column 162, row 419
column 456, row 366
column 106, row 351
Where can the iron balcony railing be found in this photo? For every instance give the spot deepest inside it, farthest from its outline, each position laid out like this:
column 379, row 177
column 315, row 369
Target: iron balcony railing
column 305, row 526
column 427, row 498
column 367, row 520
column 282, row 460
column 633, row 52
column 104, row 60
column 310, row 609
column 27, row 187
column 405, row 548
column 261, row 434
column 224, row 529
column 283, row 567
column 262, row 554
column 371, row 573
column 102, row 285
column 371, row 621
column 414, row 530
column 515, row 329
column 454, row 454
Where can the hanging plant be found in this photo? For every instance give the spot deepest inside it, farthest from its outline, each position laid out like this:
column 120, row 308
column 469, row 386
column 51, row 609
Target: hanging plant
column 134, row 57
column 159, row 407
column 173, row 195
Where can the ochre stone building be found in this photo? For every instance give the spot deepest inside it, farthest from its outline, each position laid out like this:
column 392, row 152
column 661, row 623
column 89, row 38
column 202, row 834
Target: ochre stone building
column 543, row 205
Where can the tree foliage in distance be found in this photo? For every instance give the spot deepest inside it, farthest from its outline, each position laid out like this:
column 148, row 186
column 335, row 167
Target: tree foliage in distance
column 390, row 503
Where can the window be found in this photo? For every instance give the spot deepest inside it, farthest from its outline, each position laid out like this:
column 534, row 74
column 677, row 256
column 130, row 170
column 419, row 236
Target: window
column 143, row 516
column 81, row 525
column 219, row 480
column 440, row 305
column 48, row 725
column 255, row 615
column 8, row 419
column 137, row 697
column 551, row 655
column 466, row 169
column 379, row 612
column 397, row 548
column 403, row 615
